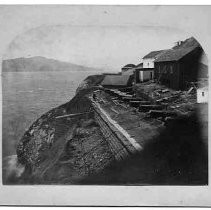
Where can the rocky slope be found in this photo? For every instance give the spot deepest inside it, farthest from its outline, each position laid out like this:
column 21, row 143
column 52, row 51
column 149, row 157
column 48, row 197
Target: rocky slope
column 63, row 150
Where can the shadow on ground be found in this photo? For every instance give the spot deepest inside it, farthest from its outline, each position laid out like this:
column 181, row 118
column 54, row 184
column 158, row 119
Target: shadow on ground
column 179, row 156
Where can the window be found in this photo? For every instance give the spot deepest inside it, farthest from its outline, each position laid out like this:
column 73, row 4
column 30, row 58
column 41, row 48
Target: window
column 202, row 93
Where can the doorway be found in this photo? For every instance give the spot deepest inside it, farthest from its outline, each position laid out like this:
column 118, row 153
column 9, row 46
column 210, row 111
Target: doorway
column 151, row 76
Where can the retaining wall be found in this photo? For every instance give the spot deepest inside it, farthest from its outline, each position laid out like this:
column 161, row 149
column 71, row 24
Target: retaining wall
column 119, row 144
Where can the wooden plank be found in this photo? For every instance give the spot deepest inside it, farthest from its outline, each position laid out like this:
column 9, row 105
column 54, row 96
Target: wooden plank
column 114, row 110
column 72, row 115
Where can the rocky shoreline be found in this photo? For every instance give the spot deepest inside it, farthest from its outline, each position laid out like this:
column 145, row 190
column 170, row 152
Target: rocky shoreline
column 54, row 151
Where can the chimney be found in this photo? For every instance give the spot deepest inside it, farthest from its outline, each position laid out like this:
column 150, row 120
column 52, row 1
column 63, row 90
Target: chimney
column 178, row 43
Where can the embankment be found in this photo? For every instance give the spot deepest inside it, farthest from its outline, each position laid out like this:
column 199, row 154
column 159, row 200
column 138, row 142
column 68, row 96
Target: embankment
column 120, row 143
column 92, row 149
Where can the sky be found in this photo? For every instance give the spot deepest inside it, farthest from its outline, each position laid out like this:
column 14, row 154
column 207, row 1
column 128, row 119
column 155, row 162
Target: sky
column 107, row 37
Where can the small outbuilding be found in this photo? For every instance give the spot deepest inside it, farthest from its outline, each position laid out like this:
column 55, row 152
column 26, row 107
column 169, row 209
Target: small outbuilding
column 145, row 70
column 148, row 60
column 202, row 95
column 180, row 65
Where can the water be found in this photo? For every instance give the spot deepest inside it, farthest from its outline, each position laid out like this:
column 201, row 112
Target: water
column 28, row 95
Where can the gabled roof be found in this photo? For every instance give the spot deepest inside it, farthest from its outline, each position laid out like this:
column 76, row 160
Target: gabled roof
column 116, row 80
column 178, row 52
column 130, row 65
column 190, row 42
column 152, row 54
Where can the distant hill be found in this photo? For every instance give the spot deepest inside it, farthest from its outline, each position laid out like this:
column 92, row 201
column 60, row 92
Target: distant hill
column 38, row 64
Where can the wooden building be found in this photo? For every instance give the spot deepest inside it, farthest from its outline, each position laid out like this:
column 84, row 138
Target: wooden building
column 180, row 65
column 202, row 95
column 117, row 81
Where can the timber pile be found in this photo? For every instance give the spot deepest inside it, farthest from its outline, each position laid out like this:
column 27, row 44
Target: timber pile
column 183, row 101
column 157, row 101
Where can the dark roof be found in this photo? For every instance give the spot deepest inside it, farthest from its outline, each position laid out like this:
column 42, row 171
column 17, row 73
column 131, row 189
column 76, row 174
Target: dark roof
column 116, row 80
column 178, row 52
column 190, row 42
column 129, row 66
column 145, row 69
column 152, row 54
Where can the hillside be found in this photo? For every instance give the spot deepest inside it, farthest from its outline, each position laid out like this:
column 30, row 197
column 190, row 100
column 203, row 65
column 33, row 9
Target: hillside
column 38, row 64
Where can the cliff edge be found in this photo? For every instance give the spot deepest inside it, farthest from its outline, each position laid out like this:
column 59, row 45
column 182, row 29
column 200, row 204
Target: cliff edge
column 63, row 150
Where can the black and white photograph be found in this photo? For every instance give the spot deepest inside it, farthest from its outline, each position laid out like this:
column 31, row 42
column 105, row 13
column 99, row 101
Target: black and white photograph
column 104, row 95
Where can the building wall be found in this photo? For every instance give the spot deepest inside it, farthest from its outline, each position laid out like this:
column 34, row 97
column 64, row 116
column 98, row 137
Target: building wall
column 137, row 76
column 116, row 84
column 203, row 58
column 148, row 63
column 146, row 75
column 177, row 74
column 167, row 73
column 190, row 67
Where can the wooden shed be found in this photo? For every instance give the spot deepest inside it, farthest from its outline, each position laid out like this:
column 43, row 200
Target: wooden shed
column 180, row 65
column 202, row 95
